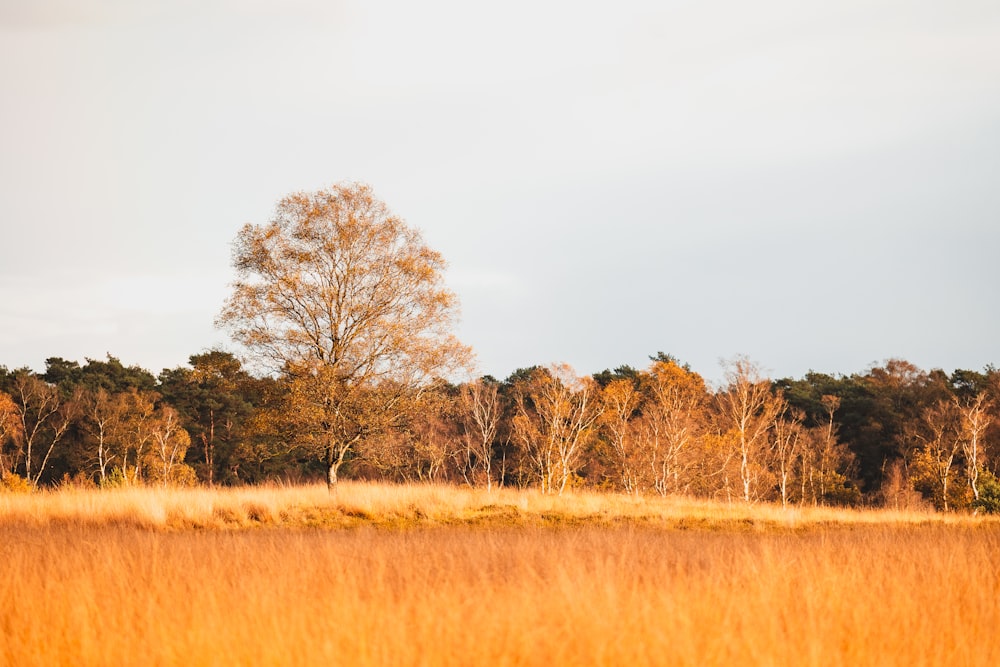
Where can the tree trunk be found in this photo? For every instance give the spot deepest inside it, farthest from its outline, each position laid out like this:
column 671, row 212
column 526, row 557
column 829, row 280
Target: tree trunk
column 335, row 455
column 210, row 448
column 331, row 470
column 331, row 478
column 745, row 470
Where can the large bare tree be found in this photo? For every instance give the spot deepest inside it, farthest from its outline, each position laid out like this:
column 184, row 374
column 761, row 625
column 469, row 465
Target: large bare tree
column 349, row 303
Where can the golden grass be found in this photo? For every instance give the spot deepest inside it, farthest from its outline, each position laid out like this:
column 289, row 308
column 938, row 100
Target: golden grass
column 389, row 506
column 77, row 595
column 156, row 577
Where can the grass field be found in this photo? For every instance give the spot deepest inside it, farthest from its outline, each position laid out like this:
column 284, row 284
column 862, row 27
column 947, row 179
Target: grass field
column 398, row 507
column 382, row 575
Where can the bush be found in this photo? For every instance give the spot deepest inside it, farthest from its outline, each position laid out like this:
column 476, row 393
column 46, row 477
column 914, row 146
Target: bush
column 841, row 491
column 989, row 495
column 117, row 479
column 11, row 483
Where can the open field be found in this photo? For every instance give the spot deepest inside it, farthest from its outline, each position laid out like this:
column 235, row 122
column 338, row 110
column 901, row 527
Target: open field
column 170, row 577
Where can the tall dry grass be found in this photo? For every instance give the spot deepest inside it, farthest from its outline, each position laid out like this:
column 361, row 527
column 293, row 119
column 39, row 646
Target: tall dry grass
column 88, row 595
column 360, row 503
column 157, row 577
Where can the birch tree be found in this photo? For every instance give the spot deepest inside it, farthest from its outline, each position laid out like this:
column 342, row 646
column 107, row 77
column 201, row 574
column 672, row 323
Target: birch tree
column 170, row 442
column 671, row 423
column 103, row 415
column 481, row 412
column 747, row 410
column 621, row 400
column 135, row 433
column 44, row 416
column 555, row 417
column 975, row 418
column 937, row 435
column 788, row 435
column 340, row 293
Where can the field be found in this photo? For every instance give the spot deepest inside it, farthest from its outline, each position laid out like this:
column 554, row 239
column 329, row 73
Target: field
column 380, row 575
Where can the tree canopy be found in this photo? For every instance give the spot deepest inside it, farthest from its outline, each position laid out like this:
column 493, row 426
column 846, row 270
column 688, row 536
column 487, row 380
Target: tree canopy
column 344, row 299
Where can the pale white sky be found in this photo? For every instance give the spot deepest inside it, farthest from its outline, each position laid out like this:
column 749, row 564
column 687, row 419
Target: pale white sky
column 812, row 184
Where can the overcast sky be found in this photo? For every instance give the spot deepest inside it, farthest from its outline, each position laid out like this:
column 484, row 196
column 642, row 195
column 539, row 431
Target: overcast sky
column 813, row 184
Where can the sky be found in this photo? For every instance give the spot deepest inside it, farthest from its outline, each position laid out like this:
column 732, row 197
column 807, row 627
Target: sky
column 814, row 185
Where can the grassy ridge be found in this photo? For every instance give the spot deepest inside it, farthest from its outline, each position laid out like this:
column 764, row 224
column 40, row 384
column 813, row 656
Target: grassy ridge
column 358, row 504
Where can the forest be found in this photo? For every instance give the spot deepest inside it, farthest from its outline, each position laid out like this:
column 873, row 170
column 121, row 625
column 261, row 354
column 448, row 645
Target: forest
column 344, row 316
column 893, row 435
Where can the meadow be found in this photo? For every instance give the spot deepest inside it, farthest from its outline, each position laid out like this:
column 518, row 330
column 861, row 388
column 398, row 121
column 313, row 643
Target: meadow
column 424, row 575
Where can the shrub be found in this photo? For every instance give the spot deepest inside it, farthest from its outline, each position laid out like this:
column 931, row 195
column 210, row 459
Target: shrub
column 989, row 495
column 841, row 492
column 117, row 479
column 11, row 483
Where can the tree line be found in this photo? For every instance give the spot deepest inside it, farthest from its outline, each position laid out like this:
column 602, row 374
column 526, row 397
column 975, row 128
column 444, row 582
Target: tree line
column 894, row 435
column 344, row 313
